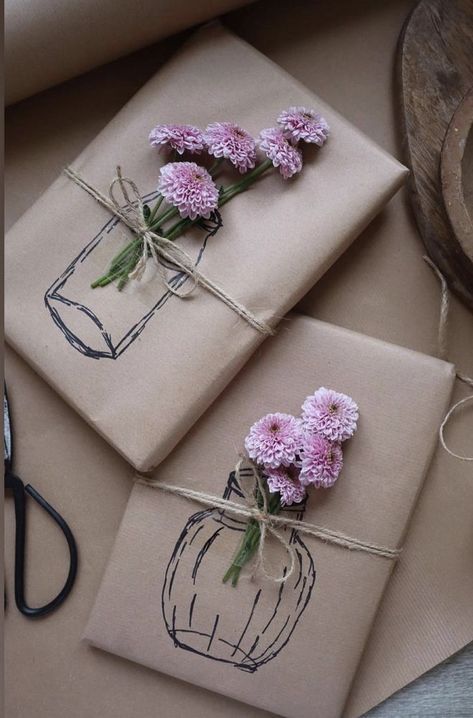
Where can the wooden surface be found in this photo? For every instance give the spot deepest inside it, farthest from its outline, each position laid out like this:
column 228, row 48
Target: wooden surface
column 444, row 692
column 436, row 71
column 456, row 172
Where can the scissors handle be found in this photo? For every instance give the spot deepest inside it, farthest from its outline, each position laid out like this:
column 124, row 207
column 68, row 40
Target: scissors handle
column 19, row 495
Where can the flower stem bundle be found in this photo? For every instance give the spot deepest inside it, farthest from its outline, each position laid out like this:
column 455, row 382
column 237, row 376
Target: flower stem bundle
column 187, row 191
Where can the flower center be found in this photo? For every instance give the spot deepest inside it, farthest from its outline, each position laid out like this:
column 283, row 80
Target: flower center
column 274, row 428
column 307, row 115
column 333, row 408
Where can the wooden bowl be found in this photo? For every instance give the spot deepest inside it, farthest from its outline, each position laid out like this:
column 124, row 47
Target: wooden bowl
column 456, row 169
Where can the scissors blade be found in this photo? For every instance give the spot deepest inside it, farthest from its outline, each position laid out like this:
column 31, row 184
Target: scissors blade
column 7, row 438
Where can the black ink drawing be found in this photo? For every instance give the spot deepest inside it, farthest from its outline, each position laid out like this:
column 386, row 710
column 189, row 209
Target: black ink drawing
column 100, row 344
column 247, row 628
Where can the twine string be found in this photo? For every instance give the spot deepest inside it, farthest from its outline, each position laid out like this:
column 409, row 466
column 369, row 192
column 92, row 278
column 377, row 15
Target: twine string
column 135, row 209
column 450, row 412
column 265, row 525
column 269, row 523
column 442, row 342
column 159, row 247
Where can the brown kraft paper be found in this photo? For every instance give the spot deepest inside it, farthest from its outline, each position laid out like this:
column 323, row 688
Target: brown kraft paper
column 162, row 601
column 118, row 358
column 44, row 42
column 381, row 288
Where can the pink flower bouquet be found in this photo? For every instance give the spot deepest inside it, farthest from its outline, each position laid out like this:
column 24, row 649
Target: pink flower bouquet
column 293, row 453
column 188, row 190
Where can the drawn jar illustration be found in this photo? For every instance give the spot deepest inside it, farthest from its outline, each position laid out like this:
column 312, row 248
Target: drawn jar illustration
column 245, row 626
column 104, row 330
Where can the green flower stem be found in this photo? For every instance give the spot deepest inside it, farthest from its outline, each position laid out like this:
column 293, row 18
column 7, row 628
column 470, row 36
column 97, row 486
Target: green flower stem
column 226, row 195
column 121, row 272
column 125, row 261
column 179, row 228
column 216, row 165
column 232, row 190
column 107, row 278
column 155, row 209
column 122, row 256
column 250, row 541
column 118, row 263
column 245, row 553
column 164, row 217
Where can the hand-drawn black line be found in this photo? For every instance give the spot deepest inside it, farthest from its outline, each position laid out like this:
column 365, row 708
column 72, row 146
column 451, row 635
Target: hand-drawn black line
column 55, row 298
column 187, row 592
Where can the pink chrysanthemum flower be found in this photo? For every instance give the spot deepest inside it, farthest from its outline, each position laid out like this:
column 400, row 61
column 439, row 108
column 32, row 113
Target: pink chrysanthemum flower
column 301, row 123
column 274, row 440
column 188, row 187
column 181, row 138
column 322, row 461
column 330, row 414
column 286, row 481
column 228, row 140
column 280, row 151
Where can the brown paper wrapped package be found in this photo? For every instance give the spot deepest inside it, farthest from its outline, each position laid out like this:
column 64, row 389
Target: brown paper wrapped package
column 380, row 288
column 117, row 358
column 162, row 601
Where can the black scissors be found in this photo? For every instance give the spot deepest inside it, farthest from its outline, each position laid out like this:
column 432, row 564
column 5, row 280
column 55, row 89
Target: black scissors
column 20, row 492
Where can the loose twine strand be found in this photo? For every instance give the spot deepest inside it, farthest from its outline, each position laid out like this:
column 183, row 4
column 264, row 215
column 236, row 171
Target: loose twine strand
column 269, row 524
column 132, row 215
column 443, row 353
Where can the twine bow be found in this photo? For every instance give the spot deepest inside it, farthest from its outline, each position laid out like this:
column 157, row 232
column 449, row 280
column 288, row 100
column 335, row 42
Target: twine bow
column 269, row 523
column 159, row 247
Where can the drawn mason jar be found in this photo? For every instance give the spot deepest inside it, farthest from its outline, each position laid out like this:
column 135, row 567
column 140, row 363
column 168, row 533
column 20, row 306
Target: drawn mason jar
column 245, row 626
column 104, row 329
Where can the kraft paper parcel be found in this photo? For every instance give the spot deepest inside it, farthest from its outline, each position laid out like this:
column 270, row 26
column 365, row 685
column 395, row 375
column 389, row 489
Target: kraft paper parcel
column 293, row 649
column 117, row 358
column 403, row 644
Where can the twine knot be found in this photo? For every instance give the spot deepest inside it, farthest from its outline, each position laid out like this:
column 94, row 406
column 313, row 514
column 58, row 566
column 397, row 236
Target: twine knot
column 269, row 524
column 131, row 213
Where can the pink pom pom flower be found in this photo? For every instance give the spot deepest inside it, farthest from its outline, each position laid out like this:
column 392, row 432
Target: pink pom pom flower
column 274, row 440
column 286, row 481
column 181, row 138
column 322, row 461
column 331, row 414
column 301, row 123
column 188, row 187
column 228, row 140
column 281, row 153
